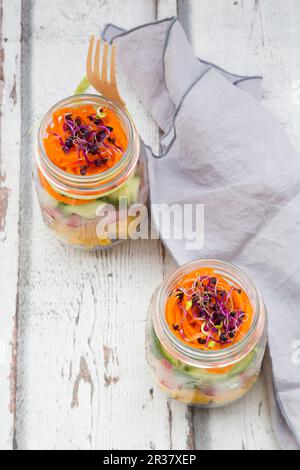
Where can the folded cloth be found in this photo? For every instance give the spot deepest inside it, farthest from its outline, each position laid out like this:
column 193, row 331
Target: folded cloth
column 222, row 148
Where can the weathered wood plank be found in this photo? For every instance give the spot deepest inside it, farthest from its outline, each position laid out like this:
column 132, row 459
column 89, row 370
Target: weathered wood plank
column 82, row 384
column 248, row 37
column 10, row 137
column 83, row 380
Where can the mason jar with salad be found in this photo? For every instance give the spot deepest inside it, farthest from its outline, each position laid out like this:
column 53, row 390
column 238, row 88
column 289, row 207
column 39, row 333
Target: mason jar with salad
column 87, row 160
column 206, row 334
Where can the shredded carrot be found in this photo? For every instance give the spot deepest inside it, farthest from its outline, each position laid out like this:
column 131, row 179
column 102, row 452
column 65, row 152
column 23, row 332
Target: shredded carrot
column 206, row 311
column 79, row 141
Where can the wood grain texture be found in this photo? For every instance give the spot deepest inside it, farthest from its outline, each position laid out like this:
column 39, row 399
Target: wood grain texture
column 10, row 135
column 82, row 377
column 83, row 381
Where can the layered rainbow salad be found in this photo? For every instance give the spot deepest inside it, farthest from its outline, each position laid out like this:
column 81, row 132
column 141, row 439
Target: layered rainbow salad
column 87, row 141
column 207, row 313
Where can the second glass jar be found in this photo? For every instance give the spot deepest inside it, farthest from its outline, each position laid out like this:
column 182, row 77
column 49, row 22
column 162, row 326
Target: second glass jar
column 200, row 377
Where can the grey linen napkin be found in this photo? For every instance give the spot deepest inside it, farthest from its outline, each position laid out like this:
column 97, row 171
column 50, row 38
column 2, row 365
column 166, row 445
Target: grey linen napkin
column 221, row 147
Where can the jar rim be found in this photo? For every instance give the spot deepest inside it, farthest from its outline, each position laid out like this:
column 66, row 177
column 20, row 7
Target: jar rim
column 213, row 358
column 105, row 181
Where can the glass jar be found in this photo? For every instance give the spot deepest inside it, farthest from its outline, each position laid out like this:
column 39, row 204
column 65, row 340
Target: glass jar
column 83, row 200
column 198, row 377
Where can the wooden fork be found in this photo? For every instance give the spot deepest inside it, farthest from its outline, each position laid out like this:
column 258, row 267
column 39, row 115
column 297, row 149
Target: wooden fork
column 98, row 75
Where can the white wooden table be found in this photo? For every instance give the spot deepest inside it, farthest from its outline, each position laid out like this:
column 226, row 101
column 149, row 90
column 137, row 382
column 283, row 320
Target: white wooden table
column 72, row 367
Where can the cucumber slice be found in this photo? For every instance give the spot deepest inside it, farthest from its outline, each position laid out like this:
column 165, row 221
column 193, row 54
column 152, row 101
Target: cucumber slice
column 180, row 366
column 129, row 190
column 240, row 367
column 156, row 347
column 243, row 364
column 198, row 373
column 202, row 376
column 87, row 211
column 47, row 200
column 159, row 350
column 175, row 362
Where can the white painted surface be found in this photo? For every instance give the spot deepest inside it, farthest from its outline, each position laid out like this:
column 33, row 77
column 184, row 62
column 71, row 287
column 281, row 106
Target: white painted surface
column 82, row 377
column 83, row 381
column 10, row 129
